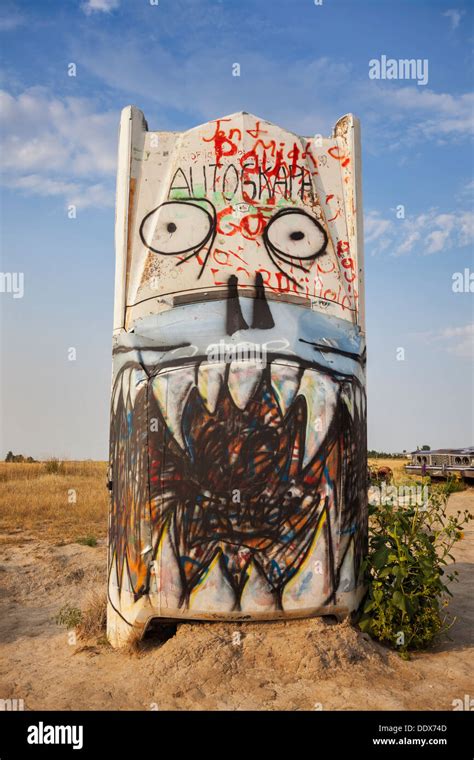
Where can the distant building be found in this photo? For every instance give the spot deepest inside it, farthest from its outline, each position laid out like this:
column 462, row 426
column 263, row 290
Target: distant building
column 441, row 462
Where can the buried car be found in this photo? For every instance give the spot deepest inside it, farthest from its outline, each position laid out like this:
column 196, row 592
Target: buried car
column 442, row 463
column 238, row 418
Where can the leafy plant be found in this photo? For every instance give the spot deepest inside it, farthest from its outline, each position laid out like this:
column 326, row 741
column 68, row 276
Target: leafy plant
column 408, row 591
column 87, row 541
column 454, row 483
column 68, row 616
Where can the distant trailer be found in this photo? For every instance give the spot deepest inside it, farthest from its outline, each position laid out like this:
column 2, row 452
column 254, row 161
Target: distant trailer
column 443, row 462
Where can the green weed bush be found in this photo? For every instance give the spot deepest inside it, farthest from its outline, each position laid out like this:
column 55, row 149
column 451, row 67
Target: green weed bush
column 405, row 568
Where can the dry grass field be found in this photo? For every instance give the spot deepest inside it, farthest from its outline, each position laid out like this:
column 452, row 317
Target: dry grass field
column 398, row 468
column 59, row 506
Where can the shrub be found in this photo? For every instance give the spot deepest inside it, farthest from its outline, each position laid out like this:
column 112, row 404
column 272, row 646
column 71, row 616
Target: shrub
column 87, row 541
column 407, row 595
column 54, row 466
column 93, row 616
column 68, row 616
column 454, row 483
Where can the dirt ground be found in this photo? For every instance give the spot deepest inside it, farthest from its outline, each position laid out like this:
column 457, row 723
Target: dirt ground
column 300, row 665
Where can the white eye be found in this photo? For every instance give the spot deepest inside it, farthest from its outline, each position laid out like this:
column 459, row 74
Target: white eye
column 294, row 234
column 178, row 227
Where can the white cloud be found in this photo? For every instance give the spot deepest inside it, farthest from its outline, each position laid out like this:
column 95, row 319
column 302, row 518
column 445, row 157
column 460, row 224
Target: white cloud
column 79, row 194
column 11, row 19
column 454, row 16
column 438, row 238
column 466, row 228
column 466, row 193
column 456, row 340
column 376, row 229
column 312, row 94
column 99, row 6
column 424, row 234
column 417, row 114
column 70, row 152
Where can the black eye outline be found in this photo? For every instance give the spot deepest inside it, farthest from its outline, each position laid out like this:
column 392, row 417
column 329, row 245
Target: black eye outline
column 276, row 253
column 195, row 249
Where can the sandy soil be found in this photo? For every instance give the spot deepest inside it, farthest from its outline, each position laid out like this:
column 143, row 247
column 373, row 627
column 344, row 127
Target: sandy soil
column 299, row 665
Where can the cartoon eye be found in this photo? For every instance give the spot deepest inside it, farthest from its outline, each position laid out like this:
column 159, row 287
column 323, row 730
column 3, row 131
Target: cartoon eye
column 294, row 234
column 177, row 227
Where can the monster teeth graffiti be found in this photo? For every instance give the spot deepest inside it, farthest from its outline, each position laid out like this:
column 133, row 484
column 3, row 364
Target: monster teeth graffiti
column 138, row 379
column 285, row 379
column 354, row 399
column 320, row 395
column 132, row 379
column 211, row 377
column 244, row 378
column 172, row 388
column 266, row 433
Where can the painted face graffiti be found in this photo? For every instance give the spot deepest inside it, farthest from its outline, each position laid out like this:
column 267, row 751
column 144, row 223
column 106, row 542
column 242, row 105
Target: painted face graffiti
column 237, row 197
column 238, row 406
column 187, row 229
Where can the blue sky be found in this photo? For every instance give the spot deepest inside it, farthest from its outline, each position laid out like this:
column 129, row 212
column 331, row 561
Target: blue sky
column 302, row 67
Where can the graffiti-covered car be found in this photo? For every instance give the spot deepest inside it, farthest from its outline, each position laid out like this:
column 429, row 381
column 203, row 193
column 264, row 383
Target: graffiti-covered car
column 238, row 419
